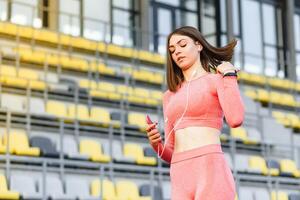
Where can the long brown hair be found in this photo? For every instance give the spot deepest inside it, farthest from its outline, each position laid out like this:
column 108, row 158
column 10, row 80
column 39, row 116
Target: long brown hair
column 210, row 56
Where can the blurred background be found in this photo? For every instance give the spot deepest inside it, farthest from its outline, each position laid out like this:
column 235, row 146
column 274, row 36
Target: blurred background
column 77, row 78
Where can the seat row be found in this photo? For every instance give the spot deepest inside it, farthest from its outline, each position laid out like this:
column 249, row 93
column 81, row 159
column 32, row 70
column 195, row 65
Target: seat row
column 80, row 43
column 279, row 98
column 289, row 120
column 85, row 149
column 255, row 164
column 30, row 186
column 117, row 92
column 249, row 193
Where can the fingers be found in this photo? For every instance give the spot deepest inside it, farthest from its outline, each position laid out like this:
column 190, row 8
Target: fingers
column 151, row 126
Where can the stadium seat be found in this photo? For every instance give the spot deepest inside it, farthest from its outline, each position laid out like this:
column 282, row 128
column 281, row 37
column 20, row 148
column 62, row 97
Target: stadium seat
column 145, row 190
column 280, row 195
column 79, row 188
column 129, row 190
column 47, row 147
column 70, row 149
column 5, row 193
column 288, row 168
column 241, row 162
column 19, row 144
column 294, row 196
column 258, row 164
column 228, row 160
column 6, row 70
column 118, row 155
column 54, row 188
column 88, row 84
column 136, row 151
column 294, row 120
column 57, row 109
column 274, row 167
column 14, row 103
column 25, row 184
column 240, row 134
column 109, row 191
column 263, row 95
column 281, row 118
column 137, row 120
column 149, row 152
column 109, row 89
column 94, row 150
column 261, row 194
column 251, row 93
column 79, row 112
column 102, row 116
column 246, row 193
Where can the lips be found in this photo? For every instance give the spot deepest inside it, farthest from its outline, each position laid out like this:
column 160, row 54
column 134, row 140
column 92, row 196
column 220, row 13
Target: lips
column 180, row 58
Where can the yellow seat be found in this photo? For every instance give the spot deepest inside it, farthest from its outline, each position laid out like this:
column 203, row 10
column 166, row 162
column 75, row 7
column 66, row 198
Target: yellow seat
column 6, row 70
column 258, row 163
column 281, row 118
column 8, row 28
column 56, row 108
column 82, row 43
column 275, row 98
column 251, row 93
column 5, row 193
column 263, row 95
column 288, row 100
column 145, row 55
column 159, row 59
column 108, row 188
column 280, row 83
column 280, row 195
column 136, row 152
column 28, row 74
column 84, row 83
column 46, row 36
column 110, row 90
column 94, row 150
column 80, row 112
column 156, row 94
column 294, row 120
column 241, row 133
column 37, row 85
column 19, row 145
column 129, row 190
column 114, row 50
column 157, row 78
column 103, row 69
column 258, row 79
column 289, row 167
column 137, row 119
column 100, row 115
column 14, row 82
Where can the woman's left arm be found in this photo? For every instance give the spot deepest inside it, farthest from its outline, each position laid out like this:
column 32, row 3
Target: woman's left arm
column 230, row 98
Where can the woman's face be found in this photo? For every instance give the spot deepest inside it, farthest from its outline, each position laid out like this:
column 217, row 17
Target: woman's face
column 184, row 50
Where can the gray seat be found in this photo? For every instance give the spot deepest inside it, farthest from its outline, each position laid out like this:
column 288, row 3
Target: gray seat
column 26, row 185
column 241, row 162
column 70, row 148
column 228, row 159
column 294, row 196
column 118, row 155
column 54, row 189
column 79, row 187
column 262, row 194
column 166, row 190
column 246, row 193
column 253, row 134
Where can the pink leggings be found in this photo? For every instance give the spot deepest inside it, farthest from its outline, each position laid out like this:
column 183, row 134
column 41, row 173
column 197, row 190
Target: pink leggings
column 201, row 174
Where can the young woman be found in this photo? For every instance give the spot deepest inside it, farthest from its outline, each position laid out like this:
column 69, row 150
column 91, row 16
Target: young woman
column 193, row 107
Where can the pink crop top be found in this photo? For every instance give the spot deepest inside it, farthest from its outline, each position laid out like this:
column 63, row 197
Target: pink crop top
column 211, row 96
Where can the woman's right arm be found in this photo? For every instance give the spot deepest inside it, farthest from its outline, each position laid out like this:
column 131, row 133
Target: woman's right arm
column 166, row 151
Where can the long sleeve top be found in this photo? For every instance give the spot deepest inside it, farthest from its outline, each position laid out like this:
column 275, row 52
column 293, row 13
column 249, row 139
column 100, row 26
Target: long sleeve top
column 211, row 96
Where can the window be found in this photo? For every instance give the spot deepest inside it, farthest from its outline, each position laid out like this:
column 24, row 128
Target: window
column 69, row 22
column 25, row 13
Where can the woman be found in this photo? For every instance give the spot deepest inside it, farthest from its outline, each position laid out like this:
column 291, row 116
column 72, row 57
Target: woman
column 193, row 107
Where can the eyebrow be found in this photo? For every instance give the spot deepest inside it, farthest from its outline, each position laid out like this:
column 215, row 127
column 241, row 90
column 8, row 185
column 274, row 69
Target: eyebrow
column 177, row 42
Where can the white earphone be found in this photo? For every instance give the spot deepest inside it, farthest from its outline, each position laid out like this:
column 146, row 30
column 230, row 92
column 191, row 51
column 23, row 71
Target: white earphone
column 177, row 122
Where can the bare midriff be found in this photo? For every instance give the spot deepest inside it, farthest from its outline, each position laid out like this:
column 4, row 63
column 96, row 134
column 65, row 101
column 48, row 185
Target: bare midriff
column 194, row 137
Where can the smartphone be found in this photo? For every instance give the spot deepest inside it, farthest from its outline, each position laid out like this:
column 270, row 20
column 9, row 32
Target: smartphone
column 148, row 120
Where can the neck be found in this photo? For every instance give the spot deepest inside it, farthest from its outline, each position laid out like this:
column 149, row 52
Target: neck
column 194, row 71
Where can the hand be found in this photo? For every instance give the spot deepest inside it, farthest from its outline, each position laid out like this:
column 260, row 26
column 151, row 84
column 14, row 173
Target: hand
column 153, row 134
column 226, row 67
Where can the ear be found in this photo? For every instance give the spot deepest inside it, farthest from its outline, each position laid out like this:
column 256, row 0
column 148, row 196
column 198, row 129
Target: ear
column 199, row 46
